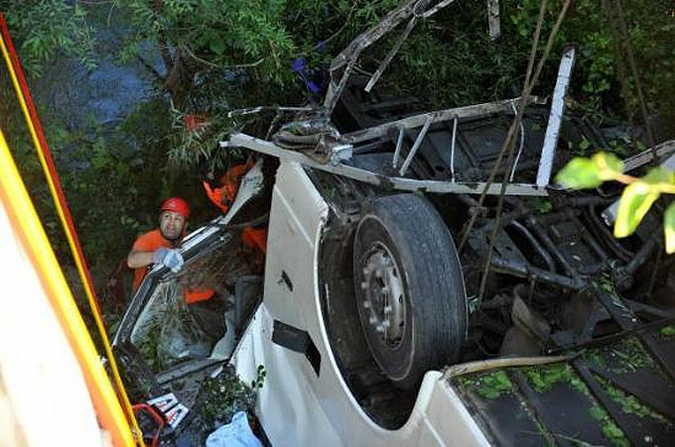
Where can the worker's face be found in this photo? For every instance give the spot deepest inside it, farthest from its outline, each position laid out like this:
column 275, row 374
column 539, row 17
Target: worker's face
column 171, row 225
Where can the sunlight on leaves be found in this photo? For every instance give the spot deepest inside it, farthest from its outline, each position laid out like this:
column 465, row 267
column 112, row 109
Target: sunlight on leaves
column 584, row 173
column 636, row 200
column 669, row 228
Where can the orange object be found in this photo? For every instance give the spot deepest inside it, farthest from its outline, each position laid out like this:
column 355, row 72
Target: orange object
column 215, row 196
column 255, row 238
column 223, row 196
column 195, row 123
column 152, row 411
column 195, row 296
column 149, row 241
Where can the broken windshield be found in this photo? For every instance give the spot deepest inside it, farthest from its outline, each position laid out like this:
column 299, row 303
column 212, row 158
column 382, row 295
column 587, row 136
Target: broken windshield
column 184, row 318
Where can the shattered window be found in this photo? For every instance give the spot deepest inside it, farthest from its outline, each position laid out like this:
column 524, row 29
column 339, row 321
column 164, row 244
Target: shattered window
column 185, row 316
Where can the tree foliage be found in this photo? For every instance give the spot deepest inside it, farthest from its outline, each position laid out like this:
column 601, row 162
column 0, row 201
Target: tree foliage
column 46, row 29
column 219, row 55
column 212, row 37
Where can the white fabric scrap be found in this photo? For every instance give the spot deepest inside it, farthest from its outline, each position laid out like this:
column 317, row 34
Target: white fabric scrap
column 235, row 434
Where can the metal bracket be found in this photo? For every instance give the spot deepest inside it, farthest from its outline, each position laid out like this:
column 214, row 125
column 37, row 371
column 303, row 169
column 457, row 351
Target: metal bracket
column 472, row 111
column 350, row 55
column 555, row 118
column 416, row 146
column 493, row 19
column 397, row 183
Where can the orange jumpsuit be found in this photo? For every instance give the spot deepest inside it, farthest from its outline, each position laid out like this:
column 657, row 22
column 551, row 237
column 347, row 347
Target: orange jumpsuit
column 151, row 241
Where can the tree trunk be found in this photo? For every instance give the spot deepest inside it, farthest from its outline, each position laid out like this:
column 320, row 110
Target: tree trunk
column 179, row 80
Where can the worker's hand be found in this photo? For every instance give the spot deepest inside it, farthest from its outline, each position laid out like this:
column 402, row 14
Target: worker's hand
column 169, row 258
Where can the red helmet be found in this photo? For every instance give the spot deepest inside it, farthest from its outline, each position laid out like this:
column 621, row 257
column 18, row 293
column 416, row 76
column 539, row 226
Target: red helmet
column 176, row 205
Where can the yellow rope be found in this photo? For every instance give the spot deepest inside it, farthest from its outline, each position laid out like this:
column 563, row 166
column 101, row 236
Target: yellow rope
column 126, row 404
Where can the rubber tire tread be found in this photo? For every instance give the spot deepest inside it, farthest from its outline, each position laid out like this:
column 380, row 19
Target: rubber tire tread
column 432, row 273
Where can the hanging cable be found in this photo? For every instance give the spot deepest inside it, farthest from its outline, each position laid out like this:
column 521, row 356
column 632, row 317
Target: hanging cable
column 621, row 37
column 529, row 84
column 509, row 136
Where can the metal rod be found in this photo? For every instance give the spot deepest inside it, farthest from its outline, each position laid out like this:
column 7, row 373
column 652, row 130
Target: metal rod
column 600, row 229
column 350, row 55
column 487, row 365
column 646, row 156
column 387, row 60
column 396, row 183
column 399, row 143
column 539, row 230
column 472, row 111
column 555, row 118
column 452, row 148
column 643, row 254
column 546, row 257
column 500, row 264
column 250, row 111
column 416, row 146
column 520, row 148
column 436, row 8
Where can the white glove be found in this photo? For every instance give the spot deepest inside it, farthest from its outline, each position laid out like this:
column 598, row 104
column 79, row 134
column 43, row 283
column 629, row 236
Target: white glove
column 169, row 258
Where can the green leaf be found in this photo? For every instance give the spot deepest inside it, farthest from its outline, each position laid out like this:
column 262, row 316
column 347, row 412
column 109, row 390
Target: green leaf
column 609, row 165
column 582, row 173
column 597, row 412
column 611, row 431
column 669, row 228
column 217, row 44
column 635, row 201
column 660, row 175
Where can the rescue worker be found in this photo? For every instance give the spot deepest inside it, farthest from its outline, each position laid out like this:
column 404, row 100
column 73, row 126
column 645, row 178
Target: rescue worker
column 159, row 246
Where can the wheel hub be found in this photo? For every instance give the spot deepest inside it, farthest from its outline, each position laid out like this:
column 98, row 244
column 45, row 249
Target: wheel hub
column 384, row 300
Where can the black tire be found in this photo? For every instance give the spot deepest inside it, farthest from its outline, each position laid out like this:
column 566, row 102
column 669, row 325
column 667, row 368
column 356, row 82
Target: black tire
column 420, row 280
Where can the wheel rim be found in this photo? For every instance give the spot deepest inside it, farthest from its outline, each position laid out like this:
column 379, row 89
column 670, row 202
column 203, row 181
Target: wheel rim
column 384, row 301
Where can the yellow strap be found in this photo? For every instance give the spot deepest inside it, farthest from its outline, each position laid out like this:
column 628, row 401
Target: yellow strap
column 71, row 241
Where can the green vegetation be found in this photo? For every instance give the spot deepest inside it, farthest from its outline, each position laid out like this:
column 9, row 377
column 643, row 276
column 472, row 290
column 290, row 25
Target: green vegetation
column 45, row 29
column 610, row 430
column 668, row 331
column 632, row 356
column 628, row 355
column 223, row 54
column 637, row 198
column 490, row 385
column 259, row 381
column 629, row 403
column 543, row 378
column 221, row 397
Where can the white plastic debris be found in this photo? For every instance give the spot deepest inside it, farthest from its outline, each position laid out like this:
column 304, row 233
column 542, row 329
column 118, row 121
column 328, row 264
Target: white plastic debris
column 235, row 434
